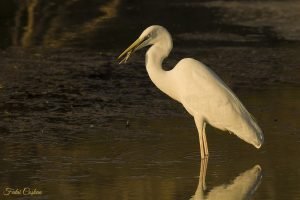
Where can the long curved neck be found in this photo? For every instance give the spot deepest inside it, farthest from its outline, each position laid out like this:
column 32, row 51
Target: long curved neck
column 154, row 59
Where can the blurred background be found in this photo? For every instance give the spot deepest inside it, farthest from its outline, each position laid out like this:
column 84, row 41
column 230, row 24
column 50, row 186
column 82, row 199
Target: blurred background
column 92, row 23
column 77, row 125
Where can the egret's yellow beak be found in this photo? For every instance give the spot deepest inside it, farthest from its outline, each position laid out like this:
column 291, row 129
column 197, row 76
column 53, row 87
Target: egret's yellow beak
column 132, row 48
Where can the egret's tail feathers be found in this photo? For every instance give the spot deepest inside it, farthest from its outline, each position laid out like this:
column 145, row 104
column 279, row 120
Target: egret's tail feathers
column 257, row 132
column 259, row 140
column 249, row 131
column 251, row 134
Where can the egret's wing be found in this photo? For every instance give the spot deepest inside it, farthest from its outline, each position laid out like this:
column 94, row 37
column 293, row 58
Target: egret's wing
column 200, row 88
column 205, row 94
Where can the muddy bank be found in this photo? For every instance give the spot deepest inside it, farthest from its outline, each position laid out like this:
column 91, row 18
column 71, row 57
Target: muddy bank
column 58, row 88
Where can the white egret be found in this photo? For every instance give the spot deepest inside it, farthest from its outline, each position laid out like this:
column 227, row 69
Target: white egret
column 202, row 93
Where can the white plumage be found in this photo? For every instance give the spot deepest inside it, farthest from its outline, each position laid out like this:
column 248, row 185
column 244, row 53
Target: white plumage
column 203, row 94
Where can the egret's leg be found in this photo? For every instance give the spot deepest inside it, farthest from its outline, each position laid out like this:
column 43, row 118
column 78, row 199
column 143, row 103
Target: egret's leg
column 201, row 175
column 199, row 124
column 205, row 140
column 203, row 170
column 199, row 194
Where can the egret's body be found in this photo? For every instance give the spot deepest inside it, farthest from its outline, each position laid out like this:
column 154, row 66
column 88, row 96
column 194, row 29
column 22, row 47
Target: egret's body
column 203, row 94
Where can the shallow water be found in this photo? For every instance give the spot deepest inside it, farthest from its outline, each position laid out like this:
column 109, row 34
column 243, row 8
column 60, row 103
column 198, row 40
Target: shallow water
column 76, row 125
column 158, row 157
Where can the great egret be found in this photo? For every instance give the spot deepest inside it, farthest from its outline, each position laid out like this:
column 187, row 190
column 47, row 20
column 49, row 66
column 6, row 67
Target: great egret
column 202, row 93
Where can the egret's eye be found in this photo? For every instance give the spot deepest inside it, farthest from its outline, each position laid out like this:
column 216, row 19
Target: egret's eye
column 148, row 36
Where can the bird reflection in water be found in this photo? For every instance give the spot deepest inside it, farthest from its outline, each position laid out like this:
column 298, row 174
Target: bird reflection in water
column 242, row 187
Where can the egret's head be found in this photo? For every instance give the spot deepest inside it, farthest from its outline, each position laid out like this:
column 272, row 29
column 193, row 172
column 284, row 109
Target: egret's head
column 149, row 36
